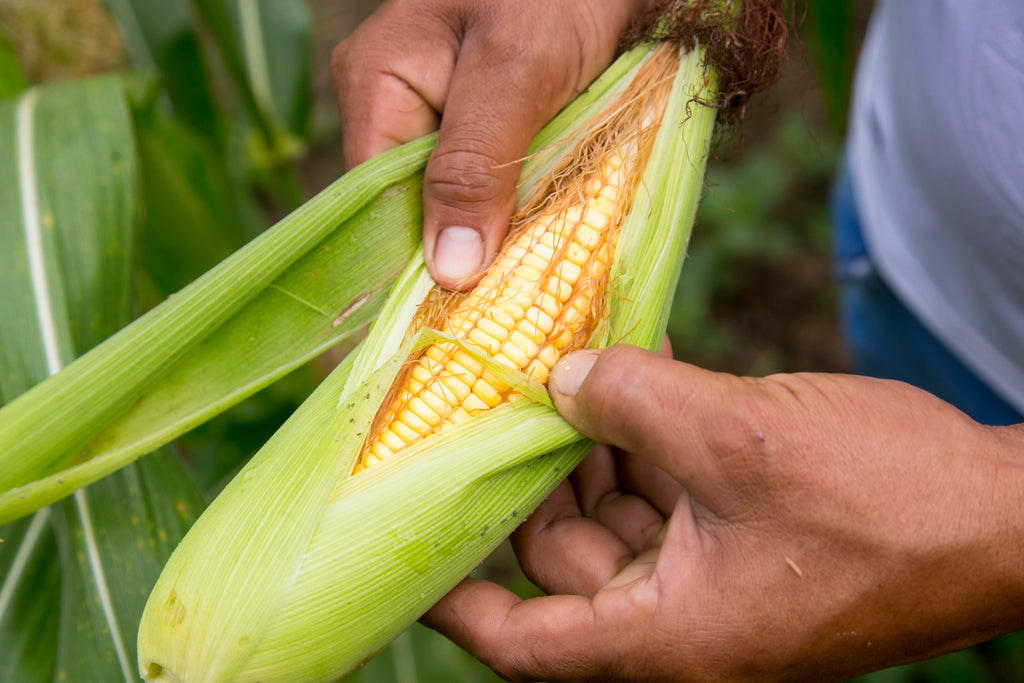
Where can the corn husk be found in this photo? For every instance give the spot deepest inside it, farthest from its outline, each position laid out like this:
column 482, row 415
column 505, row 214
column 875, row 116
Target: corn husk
column 301, row 571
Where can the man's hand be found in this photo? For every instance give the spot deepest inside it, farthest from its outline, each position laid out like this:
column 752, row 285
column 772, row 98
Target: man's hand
column 490, row 73
column 796, row 527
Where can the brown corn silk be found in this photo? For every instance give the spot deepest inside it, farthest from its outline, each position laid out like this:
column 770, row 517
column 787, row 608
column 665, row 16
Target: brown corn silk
column 546, row 292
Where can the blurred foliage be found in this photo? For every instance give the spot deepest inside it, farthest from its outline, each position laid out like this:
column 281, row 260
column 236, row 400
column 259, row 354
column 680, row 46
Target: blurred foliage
column 762, row 224
column 231, row 130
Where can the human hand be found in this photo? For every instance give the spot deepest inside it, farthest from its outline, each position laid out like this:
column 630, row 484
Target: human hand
column 796, row 527
column 490, row 74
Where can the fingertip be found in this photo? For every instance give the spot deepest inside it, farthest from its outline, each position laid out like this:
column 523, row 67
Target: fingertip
column 622, row 395
column 457, row 258
column 567, row 376
column 468, row 201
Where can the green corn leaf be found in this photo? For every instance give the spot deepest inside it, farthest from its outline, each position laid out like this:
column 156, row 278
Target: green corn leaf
column 348, row 562
column 161, row 35
column 114, row 537
column 196, row 212
column 265, row 47
column 29, row 599
column 77, row 575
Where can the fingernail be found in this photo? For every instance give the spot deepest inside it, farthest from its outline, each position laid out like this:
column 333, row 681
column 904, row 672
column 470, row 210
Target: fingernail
column 458, row 253
column 569, row 373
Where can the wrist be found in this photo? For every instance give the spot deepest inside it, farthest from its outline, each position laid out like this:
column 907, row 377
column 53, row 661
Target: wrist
column 1008, row 504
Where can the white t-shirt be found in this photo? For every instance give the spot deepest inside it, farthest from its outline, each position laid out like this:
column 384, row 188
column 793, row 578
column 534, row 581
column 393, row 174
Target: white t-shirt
column 937, row 156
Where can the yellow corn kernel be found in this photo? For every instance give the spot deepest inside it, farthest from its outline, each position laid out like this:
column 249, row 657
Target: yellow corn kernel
column 457, row 389
column 529, row 273
column 486, row 393
column 471, row 366
column 544, row 322
column 392, row 440
column 536, row 262
column 549, row 355
column 484, row 340
column 474, row 404
column 568, row 272
column 530, row 331
column 587, row 237
column 538, row 370
column 502, row 316
column 404, row 432
column 492, row 328
column 558, row 288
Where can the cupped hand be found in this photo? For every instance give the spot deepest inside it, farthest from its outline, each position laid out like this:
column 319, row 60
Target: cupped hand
column 795, row 527
column 489, row 73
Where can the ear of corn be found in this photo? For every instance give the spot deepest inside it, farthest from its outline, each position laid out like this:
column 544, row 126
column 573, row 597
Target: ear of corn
column 365, row 508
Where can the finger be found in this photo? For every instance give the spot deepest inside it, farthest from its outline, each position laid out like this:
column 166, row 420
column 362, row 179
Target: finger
column 563, row 552
column 598, row 486
column 642, row 478
column 399, row 114
column 595, row 477
column 684, row 420
column 549, row 638
column 502, row 91
column 385, row 96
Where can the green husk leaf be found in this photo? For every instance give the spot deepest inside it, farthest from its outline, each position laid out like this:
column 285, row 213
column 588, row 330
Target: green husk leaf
column 178, row 364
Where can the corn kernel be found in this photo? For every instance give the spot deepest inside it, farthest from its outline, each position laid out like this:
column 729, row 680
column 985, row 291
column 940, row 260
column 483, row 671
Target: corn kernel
column 538, row 370
column 380, row 451
column 501, row 315
column 549, row 355
column 474, row 404
column 530, row 331
column 455, row 386
column 484, row 340
column 414, row 421
column 576, row 254
column 568, row 272
column 587, row 236
column 529, row 273
column 534, row 261
column 574, row 214
column 548, row 304
column 597, row 219
column 428, row 406
column 558, row 288
column 404, row 432
column 458, row 415
column 486, row 393
column 544, row 322
column 513, row 355
column 391, row 440
column 472, row 367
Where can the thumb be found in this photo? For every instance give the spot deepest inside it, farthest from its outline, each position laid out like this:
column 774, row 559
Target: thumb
column 643, row 403
column 493, row 111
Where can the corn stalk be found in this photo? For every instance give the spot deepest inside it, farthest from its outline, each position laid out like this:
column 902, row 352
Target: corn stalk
column 307, row 564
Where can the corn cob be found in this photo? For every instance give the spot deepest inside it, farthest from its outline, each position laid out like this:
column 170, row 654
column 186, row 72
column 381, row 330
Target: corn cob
column 353, row 541
column 545, row 293
column 537, row 303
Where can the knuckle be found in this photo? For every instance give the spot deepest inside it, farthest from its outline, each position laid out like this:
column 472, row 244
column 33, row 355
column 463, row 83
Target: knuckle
column 464, row 174
column 736, row 429
column 513, row 665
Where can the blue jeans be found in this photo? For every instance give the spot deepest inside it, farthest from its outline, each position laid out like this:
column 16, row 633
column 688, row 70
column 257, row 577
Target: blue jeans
column 884, row 338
